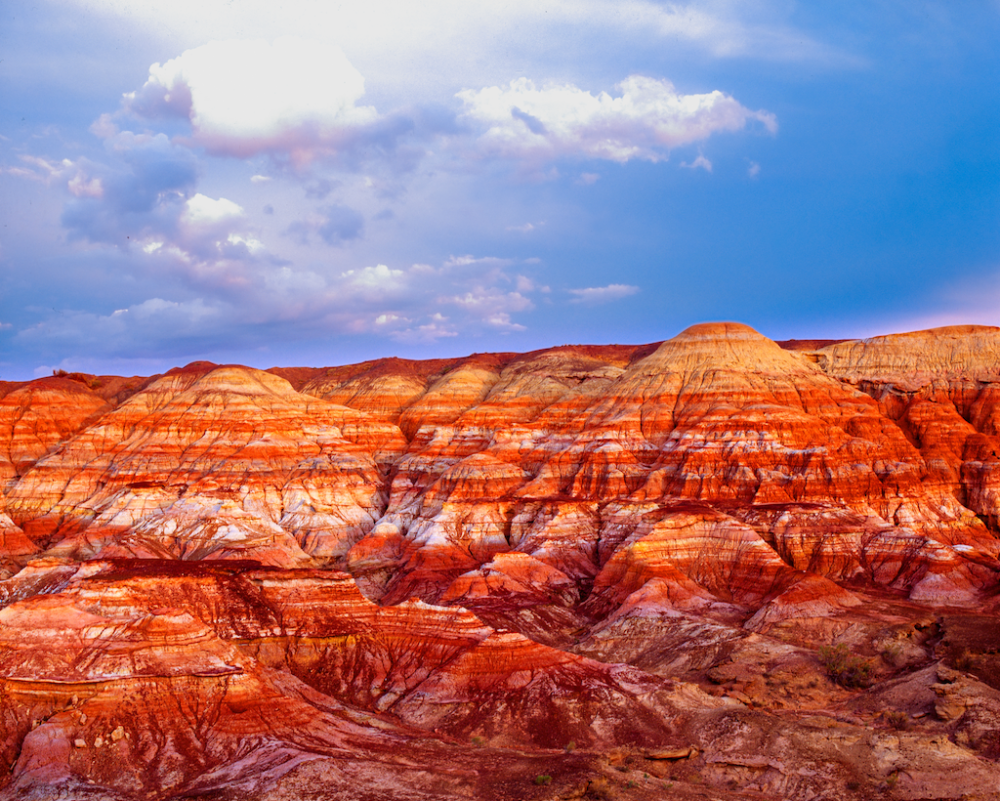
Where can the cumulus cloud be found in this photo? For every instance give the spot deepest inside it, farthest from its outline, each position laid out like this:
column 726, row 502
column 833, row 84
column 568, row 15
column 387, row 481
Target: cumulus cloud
column 142, row 193
column 147, row 204
column 413, row 304
column 436, row 327
column 144, row 201
column 502, row 322
column 646, row 120
column 592, row 296
column 491, row 299
column 211, row 229
column 294, row 99
column 244, row 97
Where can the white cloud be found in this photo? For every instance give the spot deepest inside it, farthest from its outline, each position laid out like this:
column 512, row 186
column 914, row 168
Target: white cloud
column 202, row 211
column 211, row 232
column 502, row 321
column 588, row 178
column 379, row 278
column 602, row 294
column 524, row 284
column 700, row 163
column 490, row 298
column 645, row 121
column 259, row 179
column 753, row 170
column 524, row 229
column 298, row 96
column 48, row 169
column 82, row 185
column 467, row 260
column 389, row 318
column 41, row 170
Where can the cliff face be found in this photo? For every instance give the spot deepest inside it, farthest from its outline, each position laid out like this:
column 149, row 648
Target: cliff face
column 230, row 578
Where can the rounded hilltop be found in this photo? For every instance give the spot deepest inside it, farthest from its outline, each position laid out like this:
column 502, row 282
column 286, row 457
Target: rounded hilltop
column 720, row 329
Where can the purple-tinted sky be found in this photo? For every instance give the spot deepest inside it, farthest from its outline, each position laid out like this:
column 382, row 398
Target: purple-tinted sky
column 308, row 182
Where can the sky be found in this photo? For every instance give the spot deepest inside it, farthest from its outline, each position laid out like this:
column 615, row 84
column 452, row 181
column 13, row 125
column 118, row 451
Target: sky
column 306, row 182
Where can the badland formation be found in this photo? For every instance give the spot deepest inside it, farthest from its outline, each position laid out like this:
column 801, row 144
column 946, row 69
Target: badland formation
column 716, row 567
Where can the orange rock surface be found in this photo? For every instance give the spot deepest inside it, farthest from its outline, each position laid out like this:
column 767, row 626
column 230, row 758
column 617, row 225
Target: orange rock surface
column 224, row 578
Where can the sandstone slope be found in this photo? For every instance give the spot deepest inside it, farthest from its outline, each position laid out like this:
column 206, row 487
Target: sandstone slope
column 616, row 566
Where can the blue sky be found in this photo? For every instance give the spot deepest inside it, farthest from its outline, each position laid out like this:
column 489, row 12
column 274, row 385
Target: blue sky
column 310, row 183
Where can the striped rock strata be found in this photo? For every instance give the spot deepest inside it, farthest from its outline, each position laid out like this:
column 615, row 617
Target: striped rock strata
column 230, row 578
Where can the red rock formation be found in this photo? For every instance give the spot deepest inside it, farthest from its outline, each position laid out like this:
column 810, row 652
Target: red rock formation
column 719, row 414
column 546, row 543
column 36, row 417
column 232, row 458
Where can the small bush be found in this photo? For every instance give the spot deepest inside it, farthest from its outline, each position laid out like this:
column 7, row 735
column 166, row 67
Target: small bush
column 600, row 789
column 844, row 667
column 893, row 654
column 570, row 746
column 896, row 719
column 543, row 780
column 964, row 661
column 477, row 740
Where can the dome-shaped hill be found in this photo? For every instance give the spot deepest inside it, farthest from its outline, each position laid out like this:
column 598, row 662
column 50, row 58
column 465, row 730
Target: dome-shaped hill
column 707, row 347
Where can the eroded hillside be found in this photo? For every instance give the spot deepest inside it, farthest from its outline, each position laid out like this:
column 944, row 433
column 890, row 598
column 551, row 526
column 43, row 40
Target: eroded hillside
column 712, row 567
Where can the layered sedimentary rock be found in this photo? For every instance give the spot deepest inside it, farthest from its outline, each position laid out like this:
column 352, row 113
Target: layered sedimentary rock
column 229, row 578
column 37, row 416
column 228, row 461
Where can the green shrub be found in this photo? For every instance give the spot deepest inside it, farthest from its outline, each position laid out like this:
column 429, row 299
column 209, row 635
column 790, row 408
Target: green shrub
column 844, row 667
column 543, row 780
